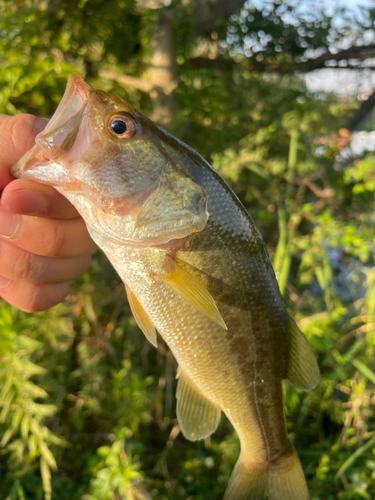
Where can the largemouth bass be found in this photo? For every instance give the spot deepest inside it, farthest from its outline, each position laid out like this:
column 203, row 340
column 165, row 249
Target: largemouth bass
column 195, row 269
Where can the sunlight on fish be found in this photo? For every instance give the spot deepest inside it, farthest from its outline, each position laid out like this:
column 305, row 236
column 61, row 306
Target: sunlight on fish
column 196, row 271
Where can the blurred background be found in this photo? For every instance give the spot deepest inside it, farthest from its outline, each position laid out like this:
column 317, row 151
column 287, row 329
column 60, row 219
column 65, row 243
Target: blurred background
column 278, row 96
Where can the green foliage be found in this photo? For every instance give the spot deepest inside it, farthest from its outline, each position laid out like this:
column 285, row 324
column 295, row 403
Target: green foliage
column 115, row 472
column 86, row 405
column 25, row 437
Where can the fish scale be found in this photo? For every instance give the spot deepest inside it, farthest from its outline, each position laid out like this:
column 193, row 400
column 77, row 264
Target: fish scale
column 202, row 348
column 196, row 270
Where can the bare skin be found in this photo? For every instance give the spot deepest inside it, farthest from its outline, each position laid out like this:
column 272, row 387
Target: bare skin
column 43, row 241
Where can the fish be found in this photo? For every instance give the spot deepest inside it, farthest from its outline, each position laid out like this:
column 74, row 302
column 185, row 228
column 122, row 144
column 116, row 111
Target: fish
column 196, row 272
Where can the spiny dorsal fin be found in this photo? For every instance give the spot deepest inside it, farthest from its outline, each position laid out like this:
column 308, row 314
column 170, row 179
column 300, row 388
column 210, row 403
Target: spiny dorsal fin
column 197, row 416
column 187, row 285
column 303, row 370
column 141, row 317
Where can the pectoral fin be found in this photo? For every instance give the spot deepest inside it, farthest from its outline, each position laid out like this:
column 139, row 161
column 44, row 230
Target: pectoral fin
column 303, row 370
column 141, row 317
column 188, row 286
column 197, row 416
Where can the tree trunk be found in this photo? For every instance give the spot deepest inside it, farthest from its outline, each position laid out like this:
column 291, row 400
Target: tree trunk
column 206, row 15
column 163, row 70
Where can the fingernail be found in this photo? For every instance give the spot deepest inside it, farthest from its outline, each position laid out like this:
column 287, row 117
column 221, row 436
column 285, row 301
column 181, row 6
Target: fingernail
column 9, row 224
column 4, row 282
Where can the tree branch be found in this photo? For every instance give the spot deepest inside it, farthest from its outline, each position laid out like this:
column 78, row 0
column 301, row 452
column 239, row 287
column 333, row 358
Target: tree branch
column 205, row 62
column 126, row 81
column 351, row 66
column 355, row 52
column 229, row 65
column 264, row 67
column 206, row 16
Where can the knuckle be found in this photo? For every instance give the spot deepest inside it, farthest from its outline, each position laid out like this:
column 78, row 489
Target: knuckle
column 35, row 299
column 23, row 267
column 53, row 240
column 42, row 297
column 18, row 129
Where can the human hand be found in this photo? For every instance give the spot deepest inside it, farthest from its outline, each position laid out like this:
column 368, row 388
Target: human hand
column 44, row 242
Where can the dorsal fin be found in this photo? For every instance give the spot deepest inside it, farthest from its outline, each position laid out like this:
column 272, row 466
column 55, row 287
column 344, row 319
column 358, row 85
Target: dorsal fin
column 197, row 416
column 188, row 286
column 141, row 317
column 303, row 370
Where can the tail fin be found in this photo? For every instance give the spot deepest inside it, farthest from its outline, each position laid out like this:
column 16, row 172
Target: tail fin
column 283, row 480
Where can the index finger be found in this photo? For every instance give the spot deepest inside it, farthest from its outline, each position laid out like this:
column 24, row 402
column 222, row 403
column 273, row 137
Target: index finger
column 17, row 135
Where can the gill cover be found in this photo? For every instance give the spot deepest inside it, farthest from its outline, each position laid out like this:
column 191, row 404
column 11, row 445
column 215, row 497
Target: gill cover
column 175, row 209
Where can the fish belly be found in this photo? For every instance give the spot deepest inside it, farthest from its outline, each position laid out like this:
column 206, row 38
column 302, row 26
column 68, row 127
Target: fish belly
column 236, row 369
column 239, row 370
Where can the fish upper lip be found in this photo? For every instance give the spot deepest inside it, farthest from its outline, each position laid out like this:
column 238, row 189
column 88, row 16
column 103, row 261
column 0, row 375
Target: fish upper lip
column 77, row 91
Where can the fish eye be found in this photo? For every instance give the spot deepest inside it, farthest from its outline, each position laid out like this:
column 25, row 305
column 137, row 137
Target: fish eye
column 121, row 126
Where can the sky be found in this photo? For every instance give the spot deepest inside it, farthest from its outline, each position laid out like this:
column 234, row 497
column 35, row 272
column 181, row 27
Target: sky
column 339, row 80
column 343, row 81
column 330, row 4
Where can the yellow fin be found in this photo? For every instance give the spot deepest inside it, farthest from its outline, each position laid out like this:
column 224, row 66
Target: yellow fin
column 186, row 285
column 303, row 370
column 141, row 317
column 282, row 481
column 197, row 416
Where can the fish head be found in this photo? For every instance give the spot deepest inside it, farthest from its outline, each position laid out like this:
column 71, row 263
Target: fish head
column 112, row 163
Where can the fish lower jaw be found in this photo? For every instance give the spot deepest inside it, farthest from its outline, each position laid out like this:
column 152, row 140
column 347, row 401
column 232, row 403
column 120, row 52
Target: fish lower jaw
column 112, row 242
column 161, row 233
column 35, row 158
column 129, row 238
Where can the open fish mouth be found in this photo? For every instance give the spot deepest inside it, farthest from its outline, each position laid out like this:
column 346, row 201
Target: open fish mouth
column 66, row 135
column 58, row 138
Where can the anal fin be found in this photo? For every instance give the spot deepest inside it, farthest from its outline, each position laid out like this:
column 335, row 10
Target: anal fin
column 303, row 370
column 197, row 416
column 141, row 317
column 189, row 287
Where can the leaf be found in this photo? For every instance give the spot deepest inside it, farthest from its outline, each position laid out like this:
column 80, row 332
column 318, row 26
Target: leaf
column 13, row 491
column 45, row 472
column 35, row 428
column 42, row 410
column 17, row 448
column 365, row 370
column 350, row 461
column 47, row 455
column 28, row 343
column 24, row 427
column 7, row 386
column 6, row 437
column 33, row 391
column 33, row 446
column 17, row 416
column 51, row 438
